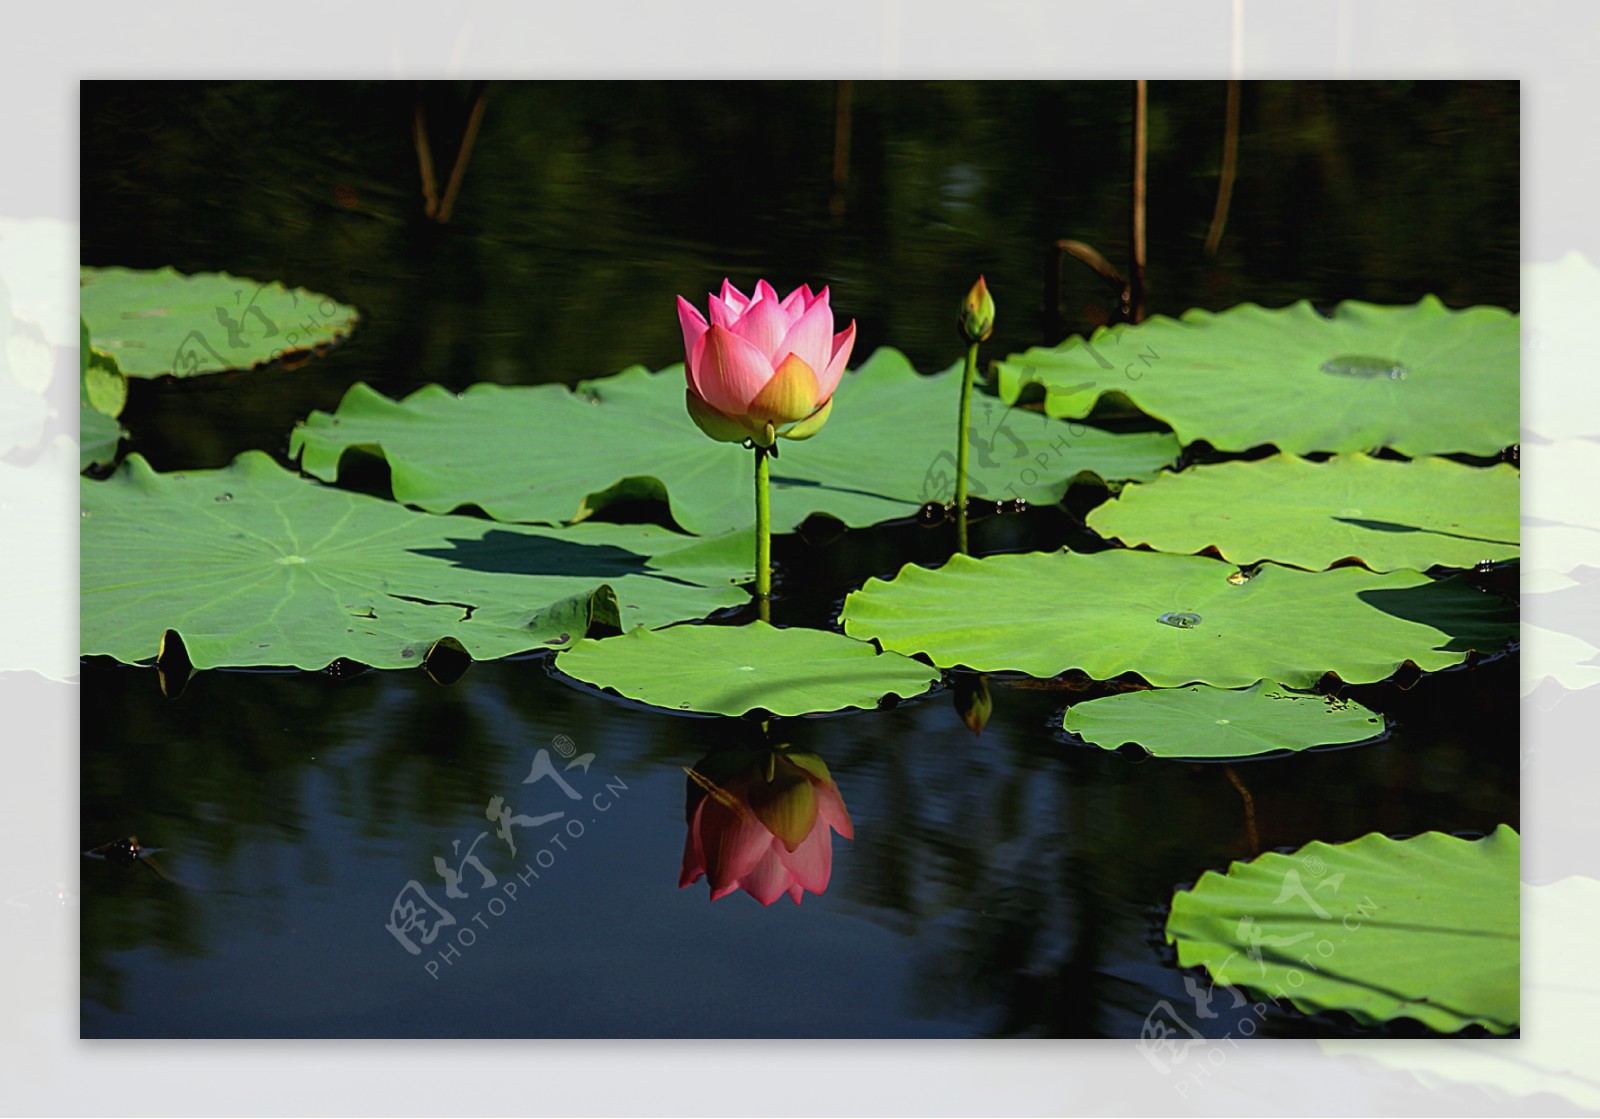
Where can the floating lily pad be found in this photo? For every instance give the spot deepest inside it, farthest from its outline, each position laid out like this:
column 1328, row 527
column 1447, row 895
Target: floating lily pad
column 1388, row 515
column 253, row 565
column 1423, row 379
column 1175, row 619
column 1423, row 928
column 166, row 324
column 728, row 670
column 1203, row 722
column 548, row 455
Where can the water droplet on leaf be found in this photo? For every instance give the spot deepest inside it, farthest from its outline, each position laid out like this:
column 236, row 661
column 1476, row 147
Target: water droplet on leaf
column 1364, row 367
column 1180, row 621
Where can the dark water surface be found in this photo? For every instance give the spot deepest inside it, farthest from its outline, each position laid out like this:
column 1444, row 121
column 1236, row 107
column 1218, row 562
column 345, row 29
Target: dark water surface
column 1010, row 884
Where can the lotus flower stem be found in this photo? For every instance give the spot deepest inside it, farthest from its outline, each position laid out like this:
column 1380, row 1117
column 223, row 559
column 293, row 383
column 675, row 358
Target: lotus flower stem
column 763, row 539
column 976, row 322
column 967, row 378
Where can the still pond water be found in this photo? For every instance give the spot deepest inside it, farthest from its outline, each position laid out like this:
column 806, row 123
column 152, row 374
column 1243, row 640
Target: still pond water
column 1012, row 883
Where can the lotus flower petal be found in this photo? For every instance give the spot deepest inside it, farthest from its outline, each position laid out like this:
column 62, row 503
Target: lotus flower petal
column 791, row 394
column 769, row 880
column 809, row 426
column 692, row 322
column 735, row 299
column 738, row 368
column 830, row 806
column 764, row 326
column 724, row 429
column 787, row 805
column 810, row 338
column 721, row 314
column 734, row 843
column 765, row 824
column 828, row 379
column 728, row 372
column 810, row 865
column 694, row 859
column 798, row 301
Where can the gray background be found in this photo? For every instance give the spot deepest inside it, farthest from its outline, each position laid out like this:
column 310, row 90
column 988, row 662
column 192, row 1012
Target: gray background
column 45, row 1070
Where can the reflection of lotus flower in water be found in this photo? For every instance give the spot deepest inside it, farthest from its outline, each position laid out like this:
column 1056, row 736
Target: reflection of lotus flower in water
column 763, row 822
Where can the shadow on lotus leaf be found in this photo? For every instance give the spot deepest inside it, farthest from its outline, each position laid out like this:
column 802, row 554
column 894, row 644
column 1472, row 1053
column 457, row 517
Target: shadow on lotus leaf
column 1393, row 526
column 1468, row 618
column 511, row 553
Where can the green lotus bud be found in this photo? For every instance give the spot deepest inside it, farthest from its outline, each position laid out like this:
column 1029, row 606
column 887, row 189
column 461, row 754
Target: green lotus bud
column 977, row 312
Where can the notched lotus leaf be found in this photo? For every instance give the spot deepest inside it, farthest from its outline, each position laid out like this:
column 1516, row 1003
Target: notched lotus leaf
column 730, row 670
column 1422, row 379
column 1204, row 722
column 545, row 454
column 163, row 323
column 1425, row 928
column 1176, row 620
column 1388, row 515
column 254, row 565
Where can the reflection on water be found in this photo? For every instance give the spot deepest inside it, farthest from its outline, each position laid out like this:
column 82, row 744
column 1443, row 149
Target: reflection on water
column 1006, row 883
column 1010, row 884
column 762, row 821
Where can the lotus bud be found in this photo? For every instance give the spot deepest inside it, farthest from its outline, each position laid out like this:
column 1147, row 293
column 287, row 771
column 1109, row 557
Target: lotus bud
column 977, row 312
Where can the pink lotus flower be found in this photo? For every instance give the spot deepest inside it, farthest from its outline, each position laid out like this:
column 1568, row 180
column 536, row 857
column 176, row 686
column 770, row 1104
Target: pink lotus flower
column 765, row 826
column 763, row 363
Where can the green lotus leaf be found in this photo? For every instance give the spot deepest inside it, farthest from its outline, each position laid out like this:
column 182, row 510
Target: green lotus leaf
column 1204, row 722
column 729, row 670
column 1046, row 612
column 1389, row 515
column 1423, row 379
column 548, row 455
column 166, row 324
column 254, row 565
column 1423, row 928
column 98, row 438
